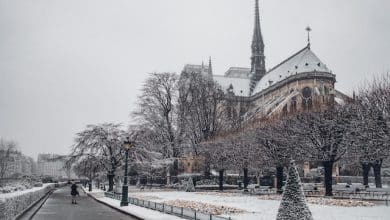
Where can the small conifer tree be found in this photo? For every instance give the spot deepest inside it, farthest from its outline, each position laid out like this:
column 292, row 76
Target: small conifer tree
column 293, row 205
column 189, row 187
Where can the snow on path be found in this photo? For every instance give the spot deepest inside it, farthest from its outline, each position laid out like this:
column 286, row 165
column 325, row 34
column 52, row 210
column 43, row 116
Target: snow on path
column 267, row 209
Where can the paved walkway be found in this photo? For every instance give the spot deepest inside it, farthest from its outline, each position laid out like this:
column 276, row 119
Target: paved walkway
column 59, row 207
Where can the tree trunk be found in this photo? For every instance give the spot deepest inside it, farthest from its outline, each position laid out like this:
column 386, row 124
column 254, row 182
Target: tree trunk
column 328, row 169
column 175, row 169
column 207, row 173
column 246, row 179
column 168, row 176
column 377, row 165
column 221, row 180
column 366, row 169
column 110, row 178
column 279, row 179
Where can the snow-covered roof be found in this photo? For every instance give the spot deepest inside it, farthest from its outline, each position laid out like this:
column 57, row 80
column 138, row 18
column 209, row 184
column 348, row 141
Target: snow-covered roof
column 301, row 62
column 304, row 61
column 240, row 85
column 238, row 72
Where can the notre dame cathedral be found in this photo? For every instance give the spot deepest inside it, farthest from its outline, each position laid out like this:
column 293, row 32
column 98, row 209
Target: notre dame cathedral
column 302, row 82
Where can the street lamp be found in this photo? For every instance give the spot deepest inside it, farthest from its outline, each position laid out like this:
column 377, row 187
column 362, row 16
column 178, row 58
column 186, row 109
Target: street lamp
column 125, row 188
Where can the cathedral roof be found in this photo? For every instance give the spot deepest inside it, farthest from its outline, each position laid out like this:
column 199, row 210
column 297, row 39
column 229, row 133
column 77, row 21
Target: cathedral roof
column 303, row 61
column 237, row 79
column 240, row 86
column 238, row 72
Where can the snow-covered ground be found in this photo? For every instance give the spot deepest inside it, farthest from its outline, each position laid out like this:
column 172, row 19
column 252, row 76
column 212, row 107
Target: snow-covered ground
column 138, row 211
column 266, row 209
column 21, row 192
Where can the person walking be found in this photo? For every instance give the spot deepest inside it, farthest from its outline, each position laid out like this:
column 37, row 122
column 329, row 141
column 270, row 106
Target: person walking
column 74, row 193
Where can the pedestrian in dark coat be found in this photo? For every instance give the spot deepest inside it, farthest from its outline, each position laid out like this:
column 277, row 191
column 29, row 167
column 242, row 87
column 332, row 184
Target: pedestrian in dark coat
column 74, row 193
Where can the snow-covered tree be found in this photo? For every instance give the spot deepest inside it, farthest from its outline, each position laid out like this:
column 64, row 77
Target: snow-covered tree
column 221, row 154
column 293, row 204
column 243, row 155
column 325, row 136
column 145, row 158
column 102, row 143
column 279, row 143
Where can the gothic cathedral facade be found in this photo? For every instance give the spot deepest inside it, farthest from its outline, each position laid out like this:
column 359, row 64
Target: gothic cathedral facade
column 302, row 82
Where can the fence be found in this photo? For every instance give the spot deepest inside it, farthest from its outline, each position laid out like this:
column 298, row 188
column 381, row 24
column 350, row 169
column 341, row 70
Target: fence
column 169, row 209
column 375, row 196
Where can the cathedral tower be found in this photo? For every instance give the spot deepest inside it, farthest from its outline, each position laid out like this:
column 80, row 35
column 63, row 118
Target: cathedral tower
column 258, row 58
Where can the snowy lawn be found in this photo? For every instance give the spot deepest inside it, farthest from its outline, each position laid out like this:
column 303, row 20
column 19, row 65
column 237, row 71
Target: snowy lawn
column 260, row 209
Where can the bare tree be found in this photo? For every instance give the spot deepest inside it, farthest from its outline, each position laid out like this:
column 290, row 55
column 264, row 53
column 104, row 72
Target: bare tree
column 7, row 148
column 87, row 167
column 370, row 128
column 157, row 115
column 199, row 114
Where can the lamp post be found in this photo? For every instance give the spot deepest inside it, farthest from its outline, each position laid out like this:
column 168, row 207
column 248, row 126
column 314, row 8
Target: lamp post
column 125, row 188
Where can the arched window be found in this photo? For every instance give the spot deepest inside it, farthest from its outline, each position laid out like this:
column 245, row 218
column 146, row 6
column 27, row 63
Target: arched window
column 307, row 102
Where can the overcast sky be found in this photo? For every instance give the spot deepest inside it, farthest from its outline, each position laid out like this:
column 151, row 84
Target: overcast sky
column 68, row 63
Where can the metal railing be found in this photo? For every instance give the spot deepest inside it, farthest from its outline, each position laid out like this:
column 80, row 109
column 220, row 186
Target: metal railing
column 169, row 209
column 380, row 196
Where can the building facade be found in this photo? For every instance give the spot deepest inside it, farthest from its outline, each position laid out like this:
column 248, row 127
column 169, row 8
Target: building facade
column 51, row 165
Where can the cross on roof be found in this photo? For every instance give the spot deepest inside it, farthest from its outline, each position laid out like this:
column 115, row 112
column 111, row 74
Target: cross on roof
column 308, row 29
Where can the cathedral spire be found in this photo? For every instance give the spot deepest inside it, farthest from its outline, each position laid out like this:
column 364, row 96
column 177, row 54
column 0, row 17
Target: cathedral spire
column 210, row 70
column 257, row 58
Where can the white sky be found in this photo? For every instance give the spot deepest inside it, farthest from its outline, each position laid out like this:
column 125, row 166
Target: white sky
column 68, row 63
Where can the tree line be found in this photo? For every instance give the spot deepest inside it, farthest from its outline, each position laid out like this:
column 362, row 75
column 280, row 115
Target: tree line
column 354, row 132
column 177, row 115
